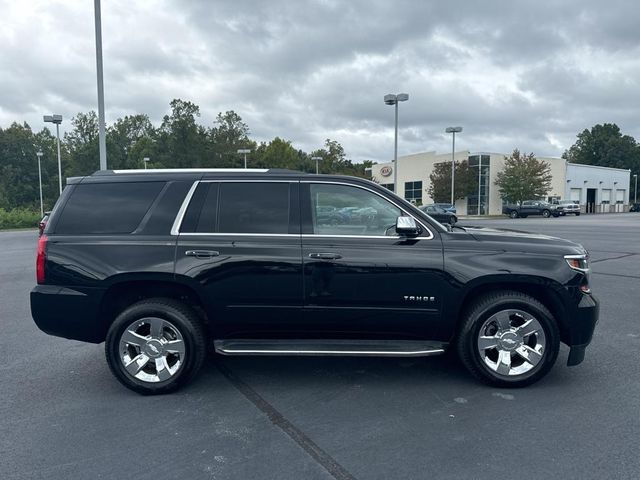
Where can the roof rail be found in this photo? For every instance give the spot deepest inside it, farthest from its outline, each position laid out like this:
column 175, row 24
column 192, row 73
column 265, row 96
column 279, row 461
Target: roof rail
column 195, row 170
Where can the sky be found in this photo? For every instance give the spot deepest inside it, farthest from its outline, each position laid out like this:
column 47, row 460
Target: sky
column 514, row 74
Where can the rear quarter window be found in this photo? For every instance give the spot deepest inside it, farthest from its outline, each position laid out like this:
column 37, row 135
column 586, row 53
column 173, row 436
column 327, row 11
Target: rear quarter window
column 107, row 208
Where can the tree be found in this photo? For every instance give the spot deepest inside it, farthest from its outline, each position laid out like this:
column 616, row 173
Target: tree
column 466, row 181
column 605, row 145
column 524, row 177
column 182, row 142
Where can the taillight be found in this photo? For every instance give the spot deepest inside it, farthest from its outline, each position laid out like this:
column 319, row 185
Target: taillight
column 40, row 259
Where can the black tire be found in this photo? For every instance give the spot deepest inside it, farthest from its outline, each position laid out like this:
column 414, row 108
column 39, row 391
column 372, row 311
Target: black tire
column 181, row 318
column 479, row 312
column 578, row 214
column 513, row 214
column 452, row 220
column 546, row 213
column 524, row 216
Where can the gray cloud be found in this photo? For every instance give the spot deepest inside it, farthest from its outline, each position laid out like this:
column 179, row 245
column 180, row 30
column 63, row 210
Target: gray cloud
column 514, row 74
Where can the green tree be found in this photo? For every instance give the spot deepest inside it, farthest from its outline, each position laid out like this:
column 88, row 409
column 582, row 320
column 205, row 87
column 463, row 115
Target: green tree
column 80, row 150
column 278, row 153
column 524, row 177
column 182, row 142
column 605, row 145
column 129, row 140
column 466, row 181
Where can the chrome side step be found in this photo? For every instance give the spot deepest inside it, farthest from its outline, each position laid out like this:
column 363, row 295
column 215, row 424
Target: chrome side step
column 371, row 348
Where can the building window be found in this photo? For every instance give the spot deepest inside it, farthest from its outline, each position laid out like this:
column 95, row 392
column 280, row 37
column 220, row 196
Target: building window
column 388, row 186
column 413, row 192
column 478, row 201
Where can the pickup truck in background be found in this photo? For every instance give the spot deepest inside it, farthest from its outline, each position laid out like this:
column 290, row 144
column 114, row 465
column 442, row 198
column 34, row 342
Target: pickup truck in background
column 530, row 207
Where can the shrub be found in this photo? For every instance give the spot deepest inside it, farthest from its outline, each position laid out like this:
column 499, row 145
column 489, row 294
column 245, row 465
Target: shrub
column 19, row 218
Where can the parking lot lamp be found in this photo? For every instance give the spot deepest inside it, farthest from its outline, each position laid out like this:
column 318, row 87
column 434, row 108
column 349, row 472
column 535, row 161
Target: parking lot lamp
column 635, row 189
column 392, row 99
column 39, row 154
column 57, row 119
column 245, row 151
column 317, row 159
column 455, row 130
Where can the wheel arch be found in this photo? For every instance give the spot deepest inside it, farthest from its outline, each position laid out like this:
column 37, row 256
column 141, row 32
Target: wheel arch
column 546, row 291
column 126, row 290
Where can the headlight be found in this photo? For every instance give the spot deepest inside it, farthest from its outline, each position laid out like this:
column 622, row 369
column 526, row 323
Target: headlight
column 578, row 262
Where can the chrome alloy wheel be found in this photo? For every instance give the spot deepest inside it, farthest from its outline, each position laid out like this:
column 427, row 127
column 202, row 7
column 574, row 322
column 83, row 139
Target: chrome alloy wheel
column 511, row 342
column 152, row 349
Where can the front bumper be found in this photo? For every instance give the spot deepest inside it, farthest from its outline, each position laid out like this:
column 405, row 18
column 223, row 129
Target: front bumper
column 68, row 313
column 581, row 328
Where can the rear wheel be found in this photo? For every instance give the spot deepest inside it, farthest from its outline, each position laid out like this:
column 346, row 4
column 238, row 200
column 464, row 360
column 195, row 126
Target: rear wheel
column 508, row 339
column 546, row 213
column 155, row 346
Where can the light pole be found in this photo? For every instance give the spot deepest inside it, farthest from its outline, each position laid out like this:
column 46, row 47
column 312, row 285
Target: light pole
column 392, row 99
column 146, row 160
column 57, row 119
column 635, row 189
column 244, row 151
column 455, row 130
column 39, row 154
column 317, row 159
column 101, row 136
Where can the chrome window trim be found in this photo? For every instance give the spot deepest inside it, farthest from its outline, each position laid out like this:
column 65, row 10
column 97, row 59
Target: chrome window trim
column 183, row 209
column 380, row 195
column 394, row 237
column 175, row 229
column 204, row 234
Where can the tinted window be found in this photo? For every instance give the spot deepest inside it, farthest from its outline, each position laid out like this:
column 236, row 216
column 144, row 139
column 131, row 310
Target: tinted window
column 345, row 210
column 253, row 208
column 107, row 208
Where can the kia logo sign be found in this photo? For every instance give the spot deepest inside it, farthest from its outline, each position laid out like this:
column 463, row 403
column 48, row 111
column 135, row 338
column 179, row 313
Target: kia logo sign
column 386, row 171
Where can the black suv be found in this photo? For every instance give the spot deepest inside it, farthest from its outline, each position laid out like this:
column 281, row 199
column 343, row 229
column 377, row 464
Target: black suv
column 161, row 264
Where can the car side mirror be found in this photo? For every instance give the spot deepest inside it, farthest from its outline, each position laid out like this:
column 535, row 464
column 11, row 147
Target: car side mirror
column 407, row 226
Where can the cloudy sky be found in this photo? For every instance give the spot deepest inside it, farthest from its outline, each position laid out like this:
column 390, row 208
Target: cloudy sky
column 513, row 73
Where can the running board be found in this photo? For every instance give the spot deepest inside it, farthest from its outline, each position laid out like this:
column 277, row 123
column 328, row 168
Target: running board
column 366, row 348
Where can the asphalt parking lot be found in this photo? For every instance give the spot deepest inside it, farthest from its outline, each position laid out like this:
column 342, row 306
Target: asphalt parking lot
column 63, row 415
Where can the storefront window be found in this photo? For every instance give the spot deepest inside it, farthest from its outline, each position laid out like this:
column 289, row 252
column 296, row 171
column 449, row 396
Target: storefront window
column 413, row 192
column 478, row 201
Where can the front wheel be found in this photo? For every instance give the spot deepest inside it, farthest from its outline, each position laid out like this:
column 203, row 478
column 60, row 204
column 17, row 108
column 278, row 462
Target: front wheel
column 508, row 339
column 578, row 214
column 513, row 214
column 452, row 220
column 155, row 346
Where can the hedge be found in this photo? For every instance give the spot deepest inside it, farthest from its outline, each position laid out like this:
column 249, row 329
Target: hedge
column 19, row 218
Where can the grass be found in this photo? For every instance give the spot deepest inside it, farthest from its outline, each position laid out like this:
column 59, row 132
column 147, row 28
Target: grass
column 19, row 218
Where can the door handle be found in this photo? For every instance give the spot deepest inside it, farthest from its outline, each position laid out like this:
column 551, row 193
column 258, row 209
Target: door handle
column 325, row 256
column 201, row 253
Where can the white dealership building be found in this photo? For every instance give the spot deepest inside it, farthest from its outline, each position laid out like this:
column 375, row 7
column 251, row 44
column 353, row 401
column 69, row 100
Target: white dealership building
column 597, row 189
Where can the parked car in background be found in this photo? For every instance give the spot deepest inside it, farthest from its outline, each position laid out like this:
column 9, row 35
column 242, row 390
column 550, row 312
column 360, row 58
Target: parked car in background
column 447, row 206
column 530, row 207
column 565, row 207
column 635, row 207
column 43, row 222
column 439, row 214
